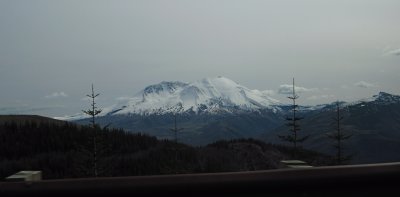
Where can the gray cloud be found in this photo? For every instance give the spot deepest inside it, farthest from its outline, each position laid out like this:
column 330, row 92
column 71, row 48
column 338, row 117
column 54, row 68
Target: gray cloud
column 364, row 84
column 123, row 98
column 124, row 46
column 26, row 109
column 55, row 95
column 395, row 52
column 268, row 92
column 318, row 97
column 287, row 89
column 85, row 98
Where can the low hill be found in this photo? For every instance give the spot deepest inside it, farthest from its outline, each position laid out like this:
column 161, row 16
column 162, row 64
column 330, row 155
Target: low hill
column 65, row 151
column 28, row 118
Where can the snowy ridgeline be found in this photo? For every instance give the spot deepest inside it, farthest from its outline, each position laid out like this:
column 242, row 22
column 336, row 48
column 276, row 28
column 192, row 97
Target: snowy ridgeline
column 209, row 95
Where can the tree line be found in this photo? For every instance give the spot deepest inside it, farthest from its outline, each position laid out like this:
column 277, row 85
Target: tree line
column 65, row 151
column 338, row 135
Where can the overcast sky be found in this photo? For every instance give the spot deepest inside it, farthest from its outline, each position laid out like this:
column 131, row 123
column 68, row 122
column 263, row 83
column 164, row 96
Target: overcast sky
column 51, row 51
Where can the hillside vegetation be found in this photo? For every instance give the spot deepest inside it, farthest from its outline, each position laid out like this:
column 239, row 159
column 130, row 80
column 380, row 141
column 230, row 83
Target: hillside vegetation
column 65, row 151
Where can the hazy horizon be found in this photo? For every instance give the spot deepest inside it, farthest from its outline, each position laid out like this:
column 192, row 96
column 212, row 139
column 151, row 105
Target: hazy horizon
column 52, row 51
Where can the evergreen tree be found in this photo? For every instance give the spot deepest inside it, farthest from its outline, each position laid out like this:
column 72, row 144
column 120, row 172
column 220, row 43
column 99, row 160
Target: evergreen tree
column 293, row 123
column 93, row 112
column 339, row 136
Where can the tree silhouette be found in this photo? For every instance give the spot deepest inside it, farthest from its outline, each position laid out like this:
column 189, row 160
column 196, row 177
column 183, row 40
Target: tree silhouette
column 339, row 136
column 93, row 112
column 293, row 124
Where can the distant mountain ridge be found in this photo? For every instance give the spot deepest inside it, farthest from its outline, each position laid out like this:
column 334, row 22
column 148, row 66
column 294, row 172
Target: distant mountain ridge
column 374, row 123
column 20, row 119
column 209, row 95
column 382, row 98
column 218, row 95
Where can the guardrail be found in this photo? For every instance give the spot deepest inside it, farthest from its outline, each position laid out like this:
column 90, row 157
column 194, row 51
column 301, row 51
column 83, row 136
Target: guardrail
column 355, row 180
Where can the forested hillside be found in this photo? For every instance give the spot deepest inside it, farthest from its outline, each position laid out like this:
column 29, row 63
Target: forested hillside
column 65, row 151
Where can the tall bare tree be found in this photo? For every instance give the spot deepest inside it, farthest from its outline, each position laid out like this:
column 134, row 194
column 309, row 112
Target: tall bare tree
column 339, row 136
column 93, row 111
column 293, row 123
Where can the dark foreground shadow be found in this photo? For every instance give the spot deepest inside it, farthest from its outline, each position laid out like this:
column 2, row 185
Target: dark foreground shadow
column 352, row 180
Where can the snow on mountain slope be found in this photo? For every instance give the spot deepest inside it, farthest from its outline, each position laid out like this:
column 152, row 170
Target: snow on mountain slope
column 207, row 95
column 382, row 98
column 211, row 95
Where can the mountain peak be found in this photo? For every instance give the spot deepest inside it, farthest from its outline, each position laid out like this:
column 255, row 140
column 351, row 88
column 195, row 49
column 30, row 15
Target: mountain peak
column 221, row 78
column 164, row 86
column 383, row 94
column 220, row 81
column 386, row 98
column 210, row 95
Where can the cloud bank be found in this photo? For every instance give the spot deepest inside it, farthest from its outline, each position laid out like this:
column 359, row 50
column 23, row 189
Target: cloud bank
column 55, row 95
column 364, row 84
column 395, row 52
column 288, row 89
column 319, row 97
column 26, row 109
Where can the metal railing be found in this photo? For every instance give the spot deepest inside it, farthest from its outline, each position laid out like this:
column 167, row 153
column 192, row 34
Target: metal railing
column 358, row 180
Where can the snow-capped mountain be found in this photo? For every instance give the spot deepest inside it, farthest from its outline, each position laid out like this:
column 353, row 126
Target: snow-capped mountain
column 382, row 98
column 209, row 95
column 218, row 108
